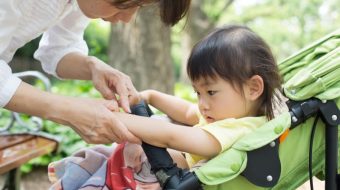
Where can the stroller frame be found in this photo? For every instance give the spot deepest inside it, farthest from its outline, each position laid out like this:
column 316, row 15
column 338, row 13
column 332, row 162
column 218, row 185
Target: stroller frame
column 330, row 114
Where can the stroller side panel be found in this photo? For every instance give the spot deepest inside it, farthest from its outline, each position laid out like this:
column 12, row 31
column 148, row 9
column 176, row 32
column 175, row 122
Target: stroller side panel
column 294, row 154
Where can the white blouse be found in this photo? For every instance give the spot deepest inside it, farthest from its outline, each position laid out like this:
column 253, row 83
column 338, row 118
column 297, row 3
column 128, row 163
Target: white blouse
column 60, row 21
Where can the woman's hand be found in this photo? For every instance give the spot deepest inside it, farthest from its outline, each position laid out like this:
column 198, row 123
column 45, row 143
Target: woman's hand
column 107, row 80
column 111, row 82
column 94, row 121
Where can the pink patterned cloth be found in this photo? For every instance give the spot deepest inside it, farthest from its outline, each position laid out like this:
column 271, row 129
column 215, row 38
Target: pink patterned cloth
column 119, row 167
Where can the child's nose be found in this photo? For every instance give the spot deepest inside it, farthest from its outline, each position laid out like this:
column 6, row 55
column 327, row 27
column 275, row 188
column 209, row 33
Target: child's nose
column 203, row 104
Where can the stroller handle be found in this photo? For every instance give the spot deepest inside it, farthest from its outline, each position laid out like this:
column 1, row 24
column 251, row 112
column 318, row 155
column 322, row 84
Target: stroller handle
column 166, row 171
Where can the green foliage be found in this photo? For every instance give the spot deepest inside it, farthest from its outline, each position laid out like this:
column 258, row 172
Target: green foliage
column 286, row 26
column 78, row 88
column 28, row 49
column 185, row 91
column 214, row 9
column 97, row 38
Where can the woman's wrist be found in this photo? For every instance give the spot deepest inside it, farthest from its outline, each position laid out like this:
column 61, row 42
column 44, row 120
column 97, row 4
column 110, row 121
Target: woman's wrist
column 35, row 102
column 59, row 109
column 75, row 66
column 91, row 64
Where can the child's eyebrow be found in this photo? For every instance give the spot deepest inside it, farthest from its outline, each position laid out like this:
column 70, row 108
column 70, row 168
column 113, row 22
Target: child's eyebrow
column 205, row 83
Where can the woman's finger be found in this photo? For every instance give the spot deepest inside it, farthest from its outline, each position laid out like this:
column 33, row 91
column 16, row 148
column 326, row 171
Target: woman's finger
column 123, row 93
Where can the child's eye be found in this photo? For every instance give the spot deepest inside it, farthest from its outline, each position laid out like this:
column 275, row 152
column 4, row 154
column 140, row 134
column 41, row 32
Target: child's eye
column 211, row 92
column 197, row 93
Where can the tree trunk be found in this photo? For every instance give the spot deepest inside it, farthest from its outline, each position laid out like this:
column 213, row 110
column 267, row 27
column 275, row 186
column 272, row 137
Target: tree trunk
column 141, row 49
column 197, row 26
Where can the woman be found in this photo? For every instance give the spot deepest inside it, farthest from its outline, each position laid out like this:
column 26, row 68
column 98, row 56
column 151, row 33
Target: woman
column 63, row 53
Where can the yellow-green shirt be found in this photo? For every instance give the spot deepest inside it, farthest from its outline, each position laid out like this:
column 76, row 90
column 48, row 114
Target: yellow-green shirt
column 226, row 132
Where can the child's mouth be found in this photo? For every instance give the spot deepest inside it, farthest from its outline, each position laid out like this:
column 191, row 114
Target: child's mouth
column 210, row 119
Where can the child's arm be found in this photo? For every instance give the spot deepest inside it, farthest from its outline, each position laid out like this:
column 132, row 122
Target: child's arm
column 163, row 134
column 176, row 108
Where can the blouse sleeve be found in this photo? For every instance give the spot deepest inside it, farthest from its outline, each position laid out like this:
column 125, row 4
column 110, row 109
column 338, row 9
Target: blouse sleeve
column 8, row 83
column 9, row 21
column 63, row 38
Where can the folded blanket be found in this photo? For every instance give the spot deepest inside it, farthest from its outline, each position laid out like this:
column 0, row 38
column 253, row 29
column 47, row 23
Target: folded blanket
column 119, row 167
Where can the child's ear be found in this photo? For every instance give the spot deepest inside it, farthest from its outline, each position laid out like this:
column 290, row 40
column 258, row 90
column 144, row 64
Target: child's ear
column 255, row 87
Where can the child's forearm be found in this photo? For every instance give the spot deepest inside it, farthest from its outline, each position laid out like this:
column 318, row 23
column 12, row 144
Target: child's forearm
column 153, row 131
column 178, row 109
column 167, row 135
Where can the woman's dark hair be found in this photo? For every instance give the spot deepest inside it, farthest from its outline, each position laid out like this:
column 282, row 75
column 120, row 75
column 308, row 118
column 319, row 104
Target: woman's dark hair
column 236, row 53
column 171, row 11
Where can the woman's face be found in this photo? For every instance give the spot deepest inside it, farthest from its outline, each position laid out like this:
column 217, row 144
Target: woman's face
column 105, row 10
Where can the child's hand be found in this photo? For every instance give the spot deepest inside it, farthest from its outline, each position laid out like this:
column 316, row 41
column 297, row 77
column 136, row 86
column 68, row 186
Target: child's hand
column 145, row 95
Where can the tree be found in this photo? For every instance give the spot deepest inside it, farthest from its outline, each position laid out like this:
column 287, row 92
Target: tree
column 141, row 49
column 287, row 26
column 204, row 16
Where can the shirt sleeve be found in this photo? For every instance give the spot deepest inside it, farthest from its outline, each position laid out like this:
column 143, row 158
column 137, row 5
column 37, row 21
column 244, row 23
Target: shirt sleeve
column 63, row 38
column 228, row 131
column 9, row 19
column 9, row 22
column 8, row 83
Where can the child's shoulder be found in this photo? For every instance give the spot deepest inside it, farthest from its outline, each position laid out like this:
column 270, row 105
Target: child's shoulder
column 244, row 121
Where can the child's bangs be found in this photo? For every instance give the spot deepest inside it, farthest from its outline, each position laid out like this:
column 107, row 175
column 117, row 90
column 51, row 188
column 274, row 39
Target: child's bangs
column 200, row 67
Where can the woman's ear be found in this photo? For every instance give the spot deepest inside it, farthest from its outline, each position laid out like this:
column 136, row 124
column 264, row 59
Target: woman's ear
column 255, row 87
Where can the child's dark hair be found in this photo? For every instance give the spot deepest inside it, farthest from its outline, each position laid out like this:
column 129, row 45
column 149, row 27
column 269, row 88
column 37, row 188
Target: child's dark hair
column 236, row 53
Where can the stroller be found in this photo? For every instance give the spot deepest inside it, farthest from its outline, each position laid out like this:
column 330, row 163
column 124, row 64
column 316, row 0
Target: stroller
column 287, row 150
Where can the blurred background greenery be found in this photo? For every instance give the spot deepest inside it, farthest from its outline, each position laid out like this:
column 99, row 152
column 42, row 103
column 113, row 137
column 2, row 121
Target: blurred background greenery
column 154, row 55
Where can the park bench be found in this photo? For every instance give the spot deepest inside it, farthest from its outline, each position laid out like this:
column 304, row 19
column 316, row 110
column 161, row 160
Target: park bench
column 25, row 143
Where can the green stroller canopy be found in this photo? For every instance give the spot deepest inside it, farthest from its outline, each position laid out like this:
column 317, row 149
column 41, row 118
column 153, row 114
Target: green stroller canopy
column 312, row 72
